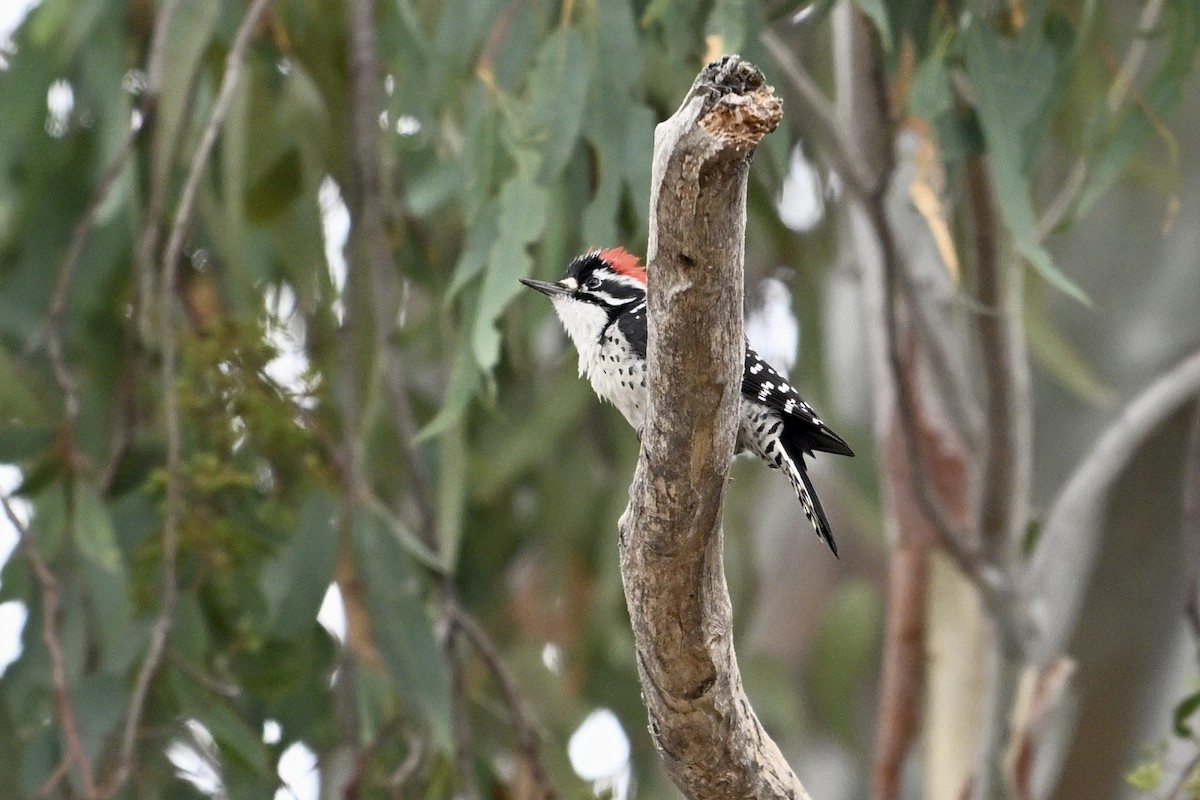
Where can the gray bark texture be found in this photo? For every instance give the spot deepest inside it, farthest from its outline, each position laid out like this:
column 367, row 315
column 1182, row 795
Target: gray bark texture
column 711, row 742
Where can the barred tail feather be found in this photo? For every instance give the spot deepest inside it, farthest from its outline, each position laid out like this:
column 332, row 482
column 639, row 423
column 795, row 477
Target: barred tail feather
column 798, row 475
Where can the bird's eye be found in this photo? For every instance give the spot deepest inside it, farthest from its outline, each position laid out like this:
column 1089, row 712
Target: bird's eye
column 592, row 283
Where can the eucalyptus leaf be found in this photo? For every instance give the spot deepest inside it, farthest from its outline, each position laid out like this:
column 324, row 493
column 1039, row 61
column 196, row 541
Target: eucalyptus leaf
column 189, row 36
column 239, row 741
column 400, row 624
column 557, row 92
column 523, row 206
column 725, row 28
column 1012, row 81
column 295, row 581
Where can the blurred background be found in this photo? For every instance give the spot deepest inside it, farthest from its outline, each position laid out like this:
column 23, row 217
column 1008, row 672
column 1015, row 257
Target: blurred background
column 304, row 497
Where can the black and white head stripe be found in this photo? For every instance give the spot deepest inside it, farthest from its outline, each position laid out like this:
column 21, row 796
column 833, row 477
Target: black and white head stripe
column 593, row 278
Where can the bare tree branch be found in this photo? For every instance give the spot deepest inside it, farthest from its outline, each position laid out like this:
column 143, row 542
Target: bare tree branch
column 161, row 630
column 518, row 709
column 1004, row 480
column 902, row 682
column 709, row 738
column 58, row 672
column 1067, row 549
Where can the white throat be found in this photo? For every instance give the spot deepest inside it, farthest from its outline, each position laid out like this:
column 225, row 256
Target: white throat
column 583, row 323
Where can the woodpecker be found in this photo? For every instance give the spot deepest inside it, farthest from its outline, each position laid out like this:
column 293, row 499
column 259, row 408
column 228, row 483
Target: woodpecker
column 601, row 302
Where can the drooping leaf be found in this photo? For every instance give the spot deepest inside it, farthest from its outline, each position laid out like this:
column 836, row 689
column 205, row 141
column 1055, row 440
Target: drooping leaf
column 188, row 38
column 1012, row 81
column 1061, row 357
column 17, row 399
column 99, row 702
column 400, row 624
column 452, row 496
column 877, row 10
column 1122, row 136
column 93, row 529
column 1183, row 711
column 473, row 256
column 295, row 581
column 523, row 205
column 239, row 741
column 929, row 94
column 556, row 94
column 460, row 390
column 275, row 189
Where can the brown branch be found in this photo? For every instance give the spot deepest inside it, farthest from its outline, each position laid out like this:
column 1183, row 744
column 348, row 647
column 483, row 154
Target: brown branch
column 464, row 761
column 1004, row 480
column 352, row 788
column 902, row 679
column 58, row 671
column 844, row 152
column 528, row 741
column 160, row 632
column 375, row 291
column 711, row 742
column 996, row 586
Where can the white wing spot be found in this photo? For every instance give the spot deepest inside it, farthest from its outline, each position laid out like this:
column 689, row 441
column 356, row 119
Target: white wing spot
column 757, row 368
column 789, row 406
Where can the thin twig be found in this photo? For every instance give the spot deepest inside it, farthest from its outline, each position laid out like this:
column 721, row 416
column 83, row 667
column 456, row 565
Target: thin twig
column 53, row 640
column 79, row 237
column 418, row 476
column 902, row 673
column 995, row 585
column 464, row 762
column 173, row 505
column 816, row 112
column 54, row 778
column 1057, row 208
column 408, row 767
column 1177, row 789
column 352, row 789
column 938, row 337
column 518, row 709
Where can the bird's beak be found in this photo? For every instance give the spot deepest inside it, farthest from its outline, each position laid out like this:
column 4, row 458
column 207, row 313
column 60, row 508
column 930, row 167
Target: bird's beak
column 548, row 289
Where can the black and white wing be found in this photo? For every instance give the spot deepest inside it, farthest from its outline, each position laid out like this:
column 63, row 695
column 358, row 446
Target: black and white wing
column 762, row 382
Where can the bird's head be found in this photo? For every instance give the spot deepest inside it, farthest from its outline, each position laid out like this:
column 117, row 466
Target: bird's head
column 597, row 287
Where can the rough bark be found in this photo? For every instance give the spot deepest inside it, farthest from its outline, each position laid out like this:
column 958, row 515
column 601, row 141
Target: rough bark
column 711, row 742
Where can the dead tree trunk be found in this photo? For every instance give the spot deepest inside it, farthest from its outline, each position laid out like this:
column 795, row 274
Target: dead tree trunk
column 709, row 738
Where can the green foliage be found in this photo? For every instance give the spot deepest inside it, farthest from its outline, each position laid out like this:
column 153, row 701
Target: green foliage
column 1147, row 776
column 511, row 135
